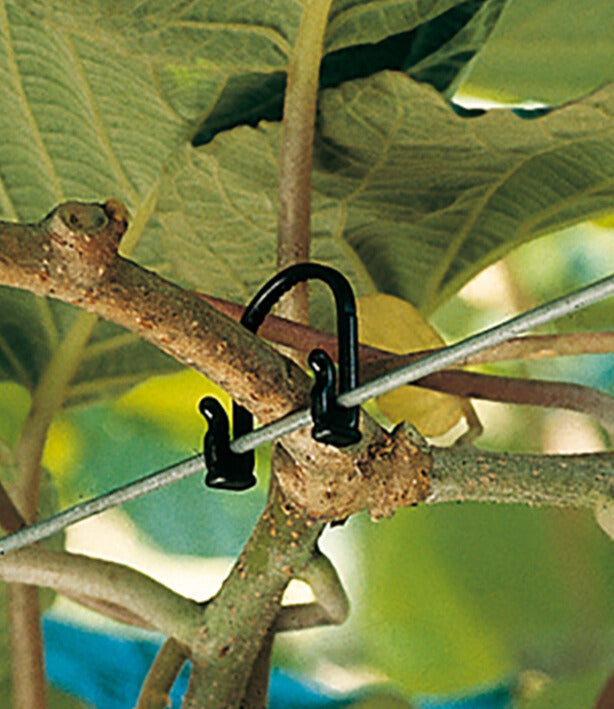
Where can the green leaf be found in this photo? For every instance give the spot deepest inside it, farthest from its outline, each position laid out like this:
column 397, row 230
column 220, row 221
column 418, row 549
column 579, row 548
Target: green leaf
column 227, row 35
column 483, row 592
column 214, row 228
column 408, row 198
column 113, row 361
column 96, row 97
column 434, row 51
column 432, row 198
column 352, row 22
column 438, row 49
column 31, row 329
column 541, row 52
column 442, row 52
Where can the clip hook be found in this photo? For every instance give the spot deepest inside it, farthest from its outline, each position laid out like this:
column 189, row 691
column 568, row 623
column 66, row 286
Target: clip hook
column 333, row 424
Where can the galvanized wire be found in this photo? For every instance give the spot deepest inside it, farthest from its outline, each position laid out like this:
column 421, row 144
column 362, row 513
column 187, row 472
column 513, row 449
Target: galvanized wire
column 417, row 369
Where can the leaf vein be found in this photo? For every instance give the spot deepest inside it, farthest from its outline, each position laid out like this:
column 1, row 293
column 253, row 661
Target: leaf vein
column 97, row 123
column 481, row 205
column 23, row 100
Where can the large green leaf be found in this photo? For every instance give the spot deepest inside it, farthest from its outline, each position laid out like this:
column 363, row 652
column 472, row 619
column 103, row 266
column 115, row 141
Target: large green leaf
column 540, row 52
column 483, row 592
column 98, row 98
column 432, row 198
column 95, row 99
column 437, row 51
column 409, row 198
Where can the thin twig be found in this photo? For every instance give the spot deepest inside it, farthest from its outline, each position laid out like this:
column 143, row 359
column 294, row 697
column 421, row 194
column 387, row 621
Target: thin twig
column 155, row 692
column 326, row 585
column 532, row 392
column 374, row 362
column 23, row 607
column 28, row 670
column 153, row 603
column 47, row 399
column 302, row 616
column 109, row 609
column 331, row 606
column 378, row 361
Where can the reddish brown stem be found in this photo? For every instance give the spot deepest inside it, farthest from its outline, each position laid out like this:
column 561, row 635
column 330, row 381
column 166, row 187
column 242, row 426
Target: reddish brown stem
column 606, row 698
column 305, row 338
column 533, row 392
column 29, row 691
column 375, row 362
column 10, row 517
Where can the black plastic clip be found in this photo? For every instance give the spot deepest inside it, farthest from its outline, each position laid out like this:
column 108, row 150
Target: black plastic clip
column 333, row 424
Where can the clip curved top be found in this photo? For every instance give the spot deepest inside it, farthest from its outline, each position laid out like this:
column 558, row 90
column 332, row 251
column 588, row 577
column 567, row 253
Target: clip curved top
column 333, row 424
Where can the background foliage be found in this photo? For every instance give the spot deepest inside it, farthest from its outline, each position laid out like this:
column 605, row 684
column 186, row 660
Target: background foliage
column 174, row 107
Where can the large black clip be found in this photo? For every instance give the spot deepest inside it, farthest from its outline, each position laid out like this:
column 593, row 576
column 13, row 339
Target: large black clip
column 333, row 424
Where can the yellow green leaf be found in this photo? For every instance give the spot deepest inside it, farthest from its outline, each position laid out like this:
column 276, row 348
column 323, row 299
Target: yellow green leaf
column 389, row 323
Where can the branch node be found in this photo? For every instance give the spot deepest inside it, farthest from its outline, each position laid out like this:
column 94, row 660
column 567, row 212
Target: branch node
column 81, row 241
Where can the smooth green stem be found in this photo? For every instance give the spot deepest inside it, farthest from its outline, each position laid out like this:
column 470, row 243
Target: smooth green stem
column 154, row 604
column 23, row 609
column 47, row 400
column 331, row 606
column 326, row 585
column 155, row 693
column 294, row 229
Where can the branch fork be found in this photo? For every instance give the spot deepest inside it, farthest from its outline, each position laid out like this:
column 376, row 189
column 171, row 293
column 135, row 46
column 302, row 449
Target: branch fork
column 72, row 255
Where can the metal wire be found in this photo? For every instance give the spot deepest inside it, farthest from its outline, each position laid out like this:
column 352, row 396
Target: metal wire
column 415, row 370
column 47, row 527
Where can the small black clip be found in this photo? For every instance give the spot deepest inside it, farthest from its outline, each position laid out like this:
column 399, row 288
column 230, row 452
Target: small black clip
column 225, row 469
column 333, row 424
